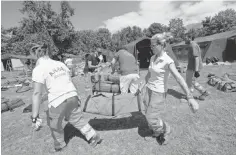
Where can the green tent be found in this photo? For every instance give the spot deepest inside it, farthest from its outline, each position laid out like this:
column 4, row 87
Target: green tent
column 221, row 45
column 141, row 50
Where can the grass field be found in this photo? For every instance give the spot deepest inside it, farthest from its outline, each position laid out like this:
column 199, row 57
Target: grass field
column 211, row 131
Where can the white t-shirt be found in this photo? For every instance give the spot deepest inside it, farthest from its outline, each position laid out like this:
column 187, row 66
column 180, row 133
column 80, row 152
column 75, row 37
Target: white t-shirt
column 159, row 71
column 56, row 77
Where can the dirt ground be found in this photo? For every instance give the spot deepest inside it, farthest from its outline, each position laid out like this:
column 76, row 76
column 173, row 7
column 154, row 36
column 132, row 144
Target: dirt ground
column 211, row 131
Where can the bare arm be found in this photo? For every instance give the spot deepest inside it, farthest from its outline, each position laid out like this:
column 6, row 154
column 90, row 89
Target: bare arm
column 196, row 63
column 37, row 98
column 147, row 77
column 179, row 79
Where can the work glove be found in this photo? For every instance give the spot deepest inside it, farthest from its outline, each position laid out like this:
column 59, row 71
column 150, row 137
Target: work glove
column 194, row 106
column 196, row 74
column 36, row 123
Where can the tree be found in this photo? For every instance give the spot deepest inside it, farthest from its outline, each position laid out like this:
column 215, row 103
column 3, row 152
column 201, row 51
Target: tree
column 87, row 40
column 177, row 28
column 104, row 40
column 155, row 28
column 43, row 25
column 221, row 22
column 126, row 35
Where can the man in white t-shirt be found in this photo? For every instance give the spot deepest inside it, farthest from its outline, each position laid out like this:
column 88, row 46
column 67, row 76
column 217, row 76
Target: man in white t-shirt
column 63, row 102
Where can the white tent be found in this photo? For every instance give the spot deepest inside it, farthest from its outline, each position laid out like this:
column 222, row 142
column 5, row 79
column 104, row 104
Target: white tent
column 17, row 64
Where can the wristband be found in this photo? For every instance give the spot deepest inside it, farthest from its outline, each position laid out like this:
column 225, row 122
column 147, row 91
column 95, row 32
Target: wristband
column 34, row 119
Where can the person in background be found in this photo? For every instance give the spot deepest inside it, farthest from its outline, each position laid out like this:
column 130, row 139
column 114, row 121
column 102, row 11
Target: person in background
column 63, row 101
column 128, row 69
column 92, row 62
column 100, row 56
column 156, row 88
column 194, row 67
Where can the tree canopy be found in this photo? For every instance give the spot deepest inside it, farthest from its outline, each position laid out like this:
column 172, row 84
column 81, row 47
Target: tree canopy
column 42, row 24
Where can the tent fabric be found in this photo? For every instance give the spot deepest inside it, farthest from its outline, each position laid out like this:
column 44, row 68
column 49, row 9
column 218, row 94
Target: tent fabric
column 220, row 45
column 17, row 64
column 216, row 49
column 230, row 53
column 131, row 47
column 222, row 35
column 141, row 50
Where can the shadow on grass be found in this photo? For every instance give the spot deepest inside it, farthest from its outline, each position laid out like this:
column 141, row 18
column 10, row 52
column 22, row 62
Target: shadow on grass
column 70, row 131
column 175, row 93
column 136, row 120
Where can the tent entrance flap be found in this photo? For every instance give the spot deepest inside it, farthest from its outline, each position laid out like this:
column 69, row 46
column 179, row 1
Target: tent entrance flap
column 144, row 56
column 230, row 52
column 141, row 50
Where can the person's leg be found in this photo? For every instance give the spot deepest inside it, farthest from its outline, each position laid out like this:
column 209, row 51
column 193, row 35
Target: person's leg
column 189, row 80
column 204, row 93
column 133, row 87
column 124, row 83
column 155, row 108
column 55, row 119
column 74, row 115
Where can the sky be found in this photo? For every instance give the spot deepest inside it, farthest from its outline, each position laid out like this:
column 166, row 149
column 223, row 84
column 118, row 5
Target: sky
column 115, row 15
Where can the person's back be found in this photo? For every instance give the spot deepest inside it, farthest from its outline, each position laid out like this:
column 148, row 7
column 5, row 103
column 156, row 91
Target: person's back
column 127, row 62
column 56, row 77
column 63, row 101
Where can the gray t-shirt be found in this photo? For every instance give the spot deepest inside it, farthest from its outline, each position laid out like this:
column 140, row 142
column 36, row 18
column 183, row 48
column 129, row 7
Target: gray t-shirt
column 127, row 62
column 194, row 51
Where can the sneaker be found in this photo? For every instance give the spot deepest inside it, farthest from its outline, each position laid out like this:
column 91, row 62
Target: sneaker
column 95, row 140
column 164, row 137
column 203, row 96
column 54, row 150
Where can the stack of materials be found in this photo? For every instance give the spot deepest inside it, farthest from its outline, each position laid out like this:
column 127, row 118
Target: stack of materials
column 212, row 60
column 105, row 83
column 111, row 102
column 7, row 104
column 223, row 83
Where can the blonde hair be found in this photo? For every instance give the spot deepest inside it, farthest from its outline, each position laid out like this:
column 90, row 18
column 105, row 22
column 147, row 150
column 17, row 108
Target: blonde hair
column 39, row 51
column 162, row 38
